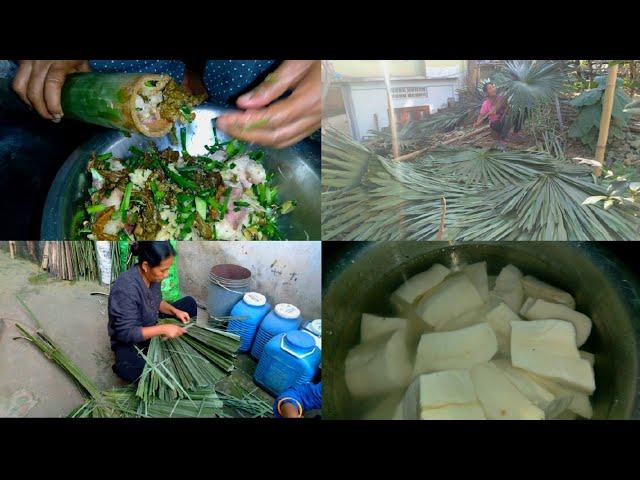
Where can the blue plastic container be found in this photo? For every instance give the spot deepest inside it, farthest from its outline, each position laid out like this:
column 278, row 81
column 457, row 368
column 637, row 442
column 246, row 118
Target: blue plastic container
column 254, row 306
column 314, row 327
column 283, row 318
column 289, row 359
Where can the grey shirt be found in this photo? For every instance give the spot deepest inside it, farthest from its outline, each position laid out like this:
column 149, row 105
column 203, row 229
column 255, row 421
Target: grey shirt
column 132, row 306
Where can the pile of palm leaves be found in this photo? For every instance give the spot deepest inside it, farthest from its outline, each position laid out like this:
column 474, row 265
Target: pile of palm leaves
column 489, row 194
column 186, row 376
column 380, row 141
column 198, row 359
column 463, row 112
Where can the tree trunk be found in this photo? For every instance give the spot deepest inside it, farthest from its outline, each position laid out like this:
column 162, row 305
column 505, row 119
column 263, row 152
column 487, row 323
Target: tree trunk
column 473, row 75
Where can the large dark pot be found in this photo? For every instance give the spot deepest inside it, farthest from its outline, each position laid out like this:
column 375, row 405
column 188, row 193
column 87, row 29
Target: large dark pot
column 359, row 277
column 297, row 175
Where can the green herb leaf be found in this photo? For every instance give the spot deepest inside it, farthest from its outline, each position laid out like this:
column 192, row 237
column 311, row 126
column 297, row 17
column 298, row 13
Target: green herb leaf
column 104, row 156
column 91, row 209
column 201, row 208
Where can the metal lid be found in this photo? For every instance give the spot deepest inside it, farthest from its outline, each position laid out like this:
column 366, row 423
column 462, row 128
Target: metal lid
column 286, row 310
column 254, row 299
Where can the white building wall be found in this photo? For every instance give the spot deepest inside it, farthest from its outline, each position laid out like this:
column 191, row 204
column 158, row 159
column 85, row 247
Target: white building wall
column 369, row 98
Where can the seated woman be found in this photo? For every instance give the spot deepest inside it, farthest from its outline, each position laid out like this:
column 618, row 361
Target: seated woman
column 495, row 108
column 135, row 302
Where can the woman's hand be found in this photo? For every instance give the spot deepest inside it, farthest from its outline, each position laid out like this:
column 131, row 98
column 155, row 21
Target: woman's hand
column 172, row 331
column 287, row 121
column 39, row 84
column 289, row 410
column 182, row 316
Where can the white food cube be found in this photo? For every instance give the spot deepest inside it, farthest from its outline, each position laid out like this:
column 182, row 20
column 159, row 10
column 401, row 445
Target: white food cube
column 419, row 284
column 378, row 366
column 442, row 395
column 500, row 399
column 508, row 288
column 372, row 326
column 541, row 310
column 551, row 404
column 589, row 357
column 477, row 273
column 455, row 296
column 579, row 401
column 548, row 348
column 538, row 289
column 458, row 349
column 500, row 318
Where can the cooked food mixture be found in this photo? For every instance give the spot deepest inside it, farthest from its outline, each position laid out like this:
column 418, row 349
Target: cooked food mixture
column 159, row 102
column 160, row 195
column 467, row 346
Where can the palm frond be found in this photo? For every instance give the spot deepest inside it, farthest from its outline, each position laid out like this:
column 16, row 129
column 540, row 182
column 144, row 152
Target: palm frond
column 491, row 195
column 528, row 83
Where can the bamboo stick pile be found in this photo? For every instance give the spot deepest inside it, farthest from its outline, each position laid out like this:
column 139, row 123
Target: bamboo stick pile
column 71, row 260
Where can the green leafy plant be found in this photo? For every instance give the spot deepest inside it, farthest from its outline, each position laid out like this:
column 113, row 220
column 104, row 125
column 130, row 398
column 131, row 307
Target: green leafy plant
column 587, row 124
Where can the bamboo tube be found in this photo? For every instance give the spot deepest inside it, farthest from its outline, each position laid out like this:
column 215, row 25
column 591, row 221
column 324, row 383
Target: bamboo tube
column 605, row 118
column 109, row 100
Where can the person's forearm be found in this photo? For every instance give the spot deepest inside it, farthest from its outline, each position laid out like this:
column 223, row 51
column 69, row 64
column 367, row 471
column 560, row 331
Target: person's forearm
column 167, row 308
column 290, row 410
column 150, row 332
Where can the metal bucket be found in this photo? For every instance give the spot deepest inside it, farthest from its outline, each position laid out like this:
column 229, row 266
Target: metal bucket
column 228, row 284
column 296, row 172
column 359, row 277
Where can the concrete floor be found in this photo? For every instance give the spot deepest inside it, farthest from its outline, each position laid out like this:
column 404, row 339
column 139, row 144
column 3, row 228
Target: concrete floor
column 33, row 386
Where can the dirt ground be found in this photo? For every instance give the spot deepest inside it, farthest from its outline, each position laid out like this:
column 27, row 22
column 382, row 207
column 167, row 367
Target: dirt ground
column 33, row 386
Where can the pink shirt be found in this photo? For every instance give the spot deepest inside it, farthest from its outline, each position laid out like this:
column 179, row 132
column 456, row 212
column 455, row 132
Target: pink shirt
column 487, row 105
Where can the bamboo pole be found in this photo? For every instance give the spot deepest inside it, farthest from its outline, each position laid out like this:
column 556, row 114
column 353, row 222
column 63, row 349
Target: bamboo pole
column 45, row 257
column 605, row 118
column 409, row 156
column 392, row 113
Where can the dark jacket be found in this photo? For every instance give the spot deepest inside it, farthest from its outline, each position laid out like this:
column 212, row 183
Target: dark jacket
column 132, row 306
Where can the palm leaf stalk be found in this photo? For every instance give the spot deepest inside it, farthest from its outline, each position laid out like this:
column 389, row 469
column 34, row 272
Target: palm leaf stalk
column 185, row 365
column 198, row 359
column 490, row 194
column 204, row 402
column 51, row 351
column 246, row 402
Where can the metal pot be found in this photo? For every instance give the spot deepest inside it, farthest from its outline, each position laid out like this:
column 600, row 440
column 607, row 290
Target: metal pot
column 297, row 175
column 359, row 277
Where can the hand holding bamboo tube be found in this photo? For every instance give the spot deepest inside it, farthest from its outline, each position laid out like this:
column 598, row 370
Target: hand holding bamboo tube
column 146, row 103
column 39, row 84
